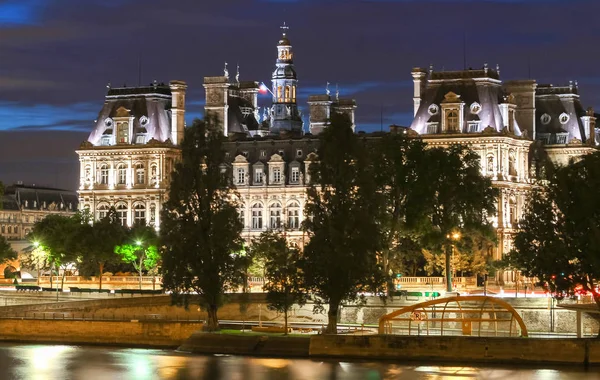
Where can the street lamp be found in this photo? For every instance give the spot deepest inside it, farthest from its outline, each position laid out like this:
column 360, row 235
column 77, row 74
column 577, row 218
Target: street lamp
column 455, row 236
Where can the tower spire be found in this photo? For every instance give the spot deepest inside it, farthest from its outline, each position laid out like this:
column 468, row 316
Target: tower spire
column 284, row 28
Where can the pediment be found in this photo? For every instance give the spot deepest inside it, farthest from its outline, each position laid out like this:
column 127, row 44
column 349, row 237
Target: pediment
column 276, row 158
column 122, row 112
column 451, row 97
column 240, row 159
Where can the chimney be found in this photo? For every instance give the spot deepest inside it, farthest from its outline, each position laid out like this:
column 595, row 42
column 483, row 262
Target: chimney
column 419, row 76
column 217, row 89
column 589, row 124
column 177, row 111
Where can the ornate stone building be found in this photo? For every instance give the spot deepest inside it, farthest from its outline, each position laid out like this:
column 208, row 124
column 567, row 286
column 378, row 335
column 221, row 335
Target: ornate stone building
column 501, row 122
column 127, row 159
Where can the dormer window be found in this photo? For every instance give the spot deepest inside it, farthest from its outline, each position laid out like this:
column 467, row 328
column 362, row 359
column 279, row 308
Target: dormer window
column 143, row 121
column 452, row 120
column 433, row 109
column 295, row 175
column 432, row 128
column 475, row 108
column 241, row 176
column 473, row 126
column 123, row 133
column 258, row 175
column 563, row 118
column 545, row 119
column 299, row 152
column 276, row 175
column 105, row 140
column 263, row 153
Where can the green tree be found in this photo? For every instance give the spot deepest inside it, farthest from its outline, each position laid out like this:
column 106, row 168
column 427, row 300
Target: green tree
column 141, row 251
column 401, row 166
column 283, row 278
column 340, row 260
column 56, row 236
column 559, row 236
column 1, row 195
column 459, row 198
column 200, row 230
column 97, row 242
column 7, row 253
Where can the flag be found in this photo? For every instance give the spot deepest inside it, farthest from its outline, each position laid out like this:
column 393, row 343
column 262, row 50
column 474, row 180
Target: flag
column 263, row 88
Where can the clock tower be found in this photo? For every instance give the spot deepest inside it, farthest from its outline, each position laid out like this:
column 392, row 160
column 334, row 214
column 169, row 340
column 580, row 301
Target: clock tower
column 285, row 116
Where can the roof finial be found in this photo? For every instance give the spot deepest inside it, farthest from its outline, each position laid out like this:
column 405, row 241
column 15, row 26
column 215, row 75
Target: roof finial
column 430, row 68
column 327, row 89
column 225, row 71
column 108, row 85
column 284, row 28
column 337, row 92
column 237, row 74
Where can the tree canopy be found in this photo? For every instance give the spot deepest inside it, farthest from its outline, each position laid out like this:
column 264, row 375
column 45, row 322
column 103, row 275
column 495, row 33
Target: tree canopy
column 559, row 236
column 340, row 260
column 139, row 248
column 200, row 230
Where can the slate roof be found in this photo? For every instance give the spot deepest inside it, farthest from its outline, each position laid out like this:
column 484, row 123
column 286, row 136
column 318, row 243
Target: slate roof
column 554, row 101
column 152, row 102
column 22, row 197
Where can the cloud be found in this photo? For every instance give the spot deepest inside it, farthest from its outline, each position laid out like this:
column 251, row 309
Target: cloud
column 22, row 117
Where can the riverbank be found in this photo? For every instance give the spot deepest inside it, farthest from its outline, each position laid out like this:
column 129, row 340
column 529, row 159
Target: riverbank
column 477, row 350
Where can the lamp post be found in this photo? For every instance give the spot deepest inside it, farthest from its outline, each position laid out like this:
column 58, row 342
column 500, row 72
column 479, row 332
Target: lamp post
column 449, row 253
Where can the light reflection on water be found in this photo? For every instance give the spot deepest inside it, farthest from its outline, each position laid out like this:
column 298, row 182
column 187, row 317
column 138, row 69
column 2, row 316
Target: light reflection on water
column 37, row 362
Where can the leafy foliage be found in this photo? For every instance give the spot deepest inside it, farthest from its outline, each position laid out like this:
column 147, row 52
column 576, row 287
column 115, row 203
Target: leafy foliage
column 340, row 261
column 283, row 278
column 559, row 236
column 141, row 251
column 7, row 253
column 200, row 231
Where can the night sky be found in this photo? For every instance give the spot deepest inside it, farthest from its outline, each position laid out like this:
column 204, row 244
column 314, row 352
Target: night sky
column 57, row 56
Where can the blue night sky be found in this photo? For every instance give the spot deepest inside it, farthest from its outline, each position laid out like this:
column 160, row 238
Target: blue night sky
column 57, row 56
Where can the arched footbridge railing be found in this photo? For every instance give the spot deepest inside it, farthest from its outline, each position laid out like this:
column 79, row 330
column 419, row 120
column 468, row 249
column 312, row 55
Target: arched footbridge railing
column 461, row 315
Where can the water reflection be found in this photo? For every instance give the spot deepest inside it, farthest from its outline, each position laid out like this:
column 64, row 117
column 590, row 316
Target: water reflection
column 90, row 363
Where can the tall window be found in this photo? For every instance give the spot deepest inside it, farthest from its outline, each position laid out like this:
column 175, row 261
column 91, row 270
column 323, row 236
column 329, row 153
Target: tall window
column 102, row 211
column 452, row 120
column 121, row 174
column 122, row 214
column 276, row 175
column 242, row 216
column 279, row 93
column 293, row 215
column 258, row 175
column 140, row 174
column 512, row 168
column 257, row 216
column 275, row 216
column 241, row 176
column 139, row 214
column 123, row 133
column 287, row 93
column 293, row 93
column 104, row 174
column 295, row 175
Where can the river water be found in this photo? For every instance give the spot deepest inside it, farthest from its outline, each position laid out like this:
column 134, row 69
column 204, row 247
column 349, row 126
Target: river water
column 37, row 362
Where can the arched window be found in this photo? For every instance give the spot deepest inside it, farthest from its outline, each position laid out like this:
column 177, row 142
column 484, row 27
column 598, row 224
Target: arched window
column 275, row 215
column 512, row 209
column 121, row 174
column 490, row 164
column 287, row 93
column 293, row 93
column 140, row 174
column 257, row 216
column 103, row 174
column 102, row 211
column 139, row 214
column 279, row 93
column 152, row 214
column 293, row 214
column 122, row 213
column 452, row 120
column 242, row 217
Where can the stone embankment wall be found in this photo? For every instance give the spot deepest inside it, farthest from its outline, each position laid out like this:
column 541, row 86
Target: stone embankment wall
column 538, row 314
column 129, row 333
column 458, row 349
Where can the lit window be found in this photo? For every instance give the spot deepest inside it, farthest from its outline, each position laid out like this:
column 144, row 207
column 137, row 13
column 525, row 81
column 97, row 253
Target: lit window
column 293, row 93
column 452, row 121
column 122, row 214
column 241, row 176
column 103, row 175
column 258, row 175
column 276, row 175
column 257, row 216
column 123, row 133
column 279, row 99
column 140, row 174
column 139, row 214
column 294, row 216
column 275, row 216
column 287, row 93
column 121, row 174
column 295, row 177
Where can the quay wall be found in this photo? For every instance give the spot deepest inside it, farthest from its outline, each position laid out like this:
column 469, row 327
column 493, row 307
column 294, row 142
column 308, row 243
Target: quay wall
column 127, row 333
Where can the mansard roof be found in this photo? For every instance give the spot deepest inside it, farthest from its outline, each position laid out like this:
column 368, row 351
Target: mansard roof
column 22, row 197
column 240, row 115
column 558, row 109
column 148, row 107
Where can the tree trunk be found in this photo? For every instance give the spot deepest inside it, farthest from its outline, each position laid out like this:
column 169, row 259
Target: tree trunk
column 140, row 272
column 101, row 268
column 285, row 322
column 332, row 316
column 212, row 322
